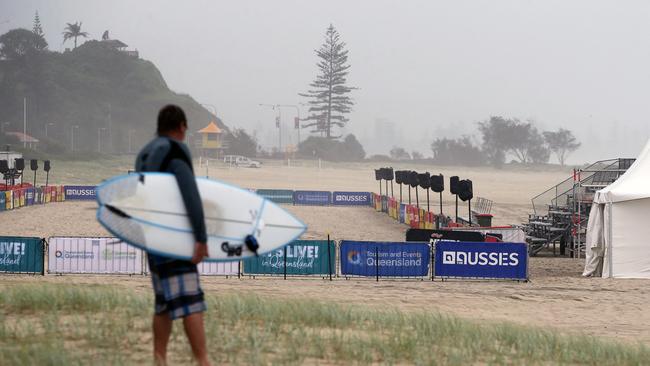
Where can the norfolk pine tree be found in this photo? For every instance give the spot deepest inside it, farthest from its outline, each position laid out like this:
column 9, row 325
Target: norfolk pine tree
column 329, row 101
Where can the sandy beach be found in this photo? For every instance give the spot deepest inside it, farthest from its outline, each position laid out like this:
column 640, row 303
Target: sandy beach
column 557, row 296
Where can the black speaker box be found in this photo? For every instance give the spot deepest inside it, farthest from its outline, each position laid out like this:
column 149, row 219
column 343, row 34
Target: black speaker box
column 413, row 179
column 33, row 164
column 437, row 183
column 20, row 164
column 424, row 179
column 46, row 165
column 453, row 184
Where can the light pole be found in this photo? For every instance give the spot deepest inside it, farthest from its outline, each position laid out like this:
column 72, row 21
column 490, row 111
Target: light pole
column 99, row 138
column 24, row 123
column 298, row 116
column 213, row 108
column 47, row 124
column 278, row 123
column 72, row 128
column 130, row 139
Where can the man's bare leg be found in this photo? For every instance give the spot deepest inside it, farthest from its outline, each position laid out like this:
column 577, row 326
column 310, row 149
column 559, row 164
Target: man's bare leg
column 162, row 328
column 195, row 331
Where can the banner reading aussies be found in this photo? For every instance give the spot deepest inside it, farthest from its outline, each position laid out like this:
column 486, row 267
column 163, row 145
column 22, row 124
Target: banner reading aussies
column 385, row 259
column 23, row 255
column 481, row 260
column 351, row 198
column 80, row 192
column 304, row 257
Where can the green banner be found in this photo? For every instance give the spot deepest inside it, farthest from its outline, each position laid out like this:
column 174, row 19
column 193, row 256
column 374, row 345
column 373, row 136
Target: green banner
column 304, row 257
column 277, row 195
column 21, row 255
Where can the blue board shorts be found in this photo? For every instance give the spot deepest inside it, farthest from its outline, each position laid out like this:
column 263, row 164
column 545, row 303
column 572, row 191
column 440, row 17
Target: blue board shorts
column 179, row 295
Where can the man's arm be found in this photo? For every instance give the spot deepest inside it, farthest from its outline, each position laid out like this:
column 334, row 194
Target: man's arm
column 191, row 199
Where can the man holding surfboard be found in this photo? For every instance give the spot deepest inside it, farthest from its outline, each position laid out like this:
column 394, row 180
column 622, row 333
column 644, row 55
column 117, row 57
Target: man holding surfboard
column 176, row 282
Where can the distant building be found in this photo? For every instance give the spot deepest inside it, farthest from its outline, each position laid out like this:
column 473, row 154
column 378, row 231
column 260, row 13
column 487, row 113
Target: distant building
column 118, row 45
column 23, row 138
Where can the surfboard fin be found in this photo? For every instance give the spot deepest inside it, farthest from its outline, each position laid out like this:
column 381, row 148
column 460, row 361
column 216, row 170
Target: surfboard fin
column 252, row 244
column 117, row 211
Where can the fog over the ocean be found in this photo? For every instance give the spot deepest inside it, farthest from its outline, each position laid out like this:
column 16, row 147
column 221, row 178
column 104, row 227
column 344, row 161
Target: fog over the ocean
column 424, row 69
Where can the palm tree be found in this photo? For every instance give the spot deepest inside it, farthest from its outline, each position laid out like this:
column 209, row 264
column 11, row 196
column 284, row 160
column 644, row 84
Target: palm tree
column 73, row 31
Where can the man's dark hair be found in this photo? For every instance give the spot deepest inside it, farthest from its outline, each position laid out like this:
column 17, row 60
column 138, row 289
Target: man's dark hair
column 170, row 118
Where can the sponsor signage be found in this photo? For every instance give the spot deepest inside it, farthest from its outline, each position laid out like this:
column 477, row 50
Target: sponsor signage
column 2, row 201
column 219, row 268
column 29, row 196
column 18, row 254
column 93, row 255
column 276, row 195
column 312, row 198
column 384, row 259
column 80, row 192
column 351, row 198
column 481, row 260
column 304, row 257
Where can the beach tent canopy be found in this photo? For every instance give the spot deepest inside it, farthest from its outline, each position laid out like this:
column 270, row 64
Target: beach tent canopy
column 618, row 231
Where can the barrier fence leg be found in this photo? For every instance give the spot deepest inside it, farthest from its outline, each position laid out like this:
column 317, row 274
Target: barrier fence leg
column 329, row 257
column 239, row 270
column 285, row 262
column 44, row 250
column 377, row 262
column 431, row 250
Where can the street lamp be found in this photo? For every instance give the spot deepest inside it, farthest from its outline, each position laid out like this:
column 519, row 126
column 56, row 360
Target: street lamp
column 47, row 124
column 72, row 128
column 278, row 123
column 99, row 138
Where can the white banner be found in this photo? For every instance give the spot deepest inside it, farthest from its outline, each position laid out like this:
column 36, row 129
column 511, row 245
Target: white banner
column 93, row 255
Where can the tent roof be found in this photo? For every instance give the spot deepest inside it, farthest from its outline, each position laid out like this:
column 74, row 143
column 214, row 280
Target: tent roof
column 210, row 128
column 632, row 185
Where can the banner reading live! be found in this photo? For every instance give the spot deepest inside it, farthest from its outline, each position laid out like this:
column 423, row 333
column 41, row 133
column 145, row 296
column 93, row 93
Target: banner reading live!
column 481, row 260
column 304, row 257
column 93, row 255
column 21, row 255
column 384, row 259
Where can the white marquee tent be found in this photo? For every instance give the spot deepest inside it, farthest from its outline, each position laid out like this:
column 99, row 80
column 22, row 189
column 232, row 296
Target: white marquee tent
column 618, row 231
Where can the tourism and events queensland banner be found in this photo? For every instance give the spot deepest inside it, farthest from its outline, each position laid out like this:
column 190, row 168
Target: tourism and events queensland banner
column 93, row 255
column 319, row 198
column 392, row 259
column 21, row 255
column 481, row 260
column 304, row 257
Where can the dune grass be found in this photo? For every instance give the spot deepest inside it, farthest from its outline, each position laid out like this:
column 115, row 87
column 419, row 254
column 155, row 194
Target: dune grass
column 71, row 324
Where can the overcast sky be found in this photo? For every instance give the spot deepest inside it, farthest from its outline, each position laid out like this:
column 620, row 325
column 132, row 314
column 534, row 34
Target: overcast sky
column 429, row 68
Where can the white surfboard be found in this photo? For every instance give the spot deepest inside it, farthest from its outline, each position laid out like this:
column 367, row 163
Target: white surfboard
column 147, row 211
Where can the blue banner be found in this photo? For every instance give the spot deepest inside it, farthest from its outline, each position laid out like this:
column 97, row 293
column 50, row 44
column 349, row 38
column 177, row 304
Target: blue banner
column 80, row 192
column 30, row 193
column 384, row 259
column 21, row 255
column 351, row 198
column 3, row 201
column 481, row 260
column 321, row 198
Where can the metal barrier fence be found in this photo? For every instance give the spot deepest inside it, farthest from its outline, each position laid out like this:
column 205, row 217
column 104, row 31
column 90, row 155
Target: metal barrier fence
column 305, row 258
column 22, row 255
column 300, row 258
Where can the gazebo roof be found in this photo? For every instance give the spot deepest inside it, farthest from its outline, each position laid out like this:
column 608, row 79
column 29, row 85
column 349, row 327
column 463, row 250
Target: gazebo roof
column 210, row 128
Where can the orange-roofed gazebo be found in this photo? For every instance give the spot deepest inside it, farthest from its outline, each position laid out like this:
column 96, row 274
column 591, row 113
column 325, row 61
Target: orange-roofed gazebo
column 211, row 139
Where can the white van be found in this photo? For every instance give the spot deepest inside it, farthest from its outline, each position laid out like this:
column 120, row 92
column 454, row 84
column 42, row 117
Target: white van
column 241, row 161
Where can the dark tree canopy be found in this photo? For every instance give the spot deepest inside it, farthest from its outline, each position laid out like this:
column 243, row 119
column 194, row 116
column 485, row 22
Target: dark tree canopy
column 329, row 101
column 18, row 43
column 333, row 150
column 561, row 143
column 459, row 151
column 241, row 143
column 73, row 31
column 399, row 153
column 521, row 139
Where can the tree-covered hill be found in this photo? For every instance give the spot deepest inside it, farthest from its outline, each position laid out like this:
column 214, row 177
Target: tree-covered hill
column 112, row 96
